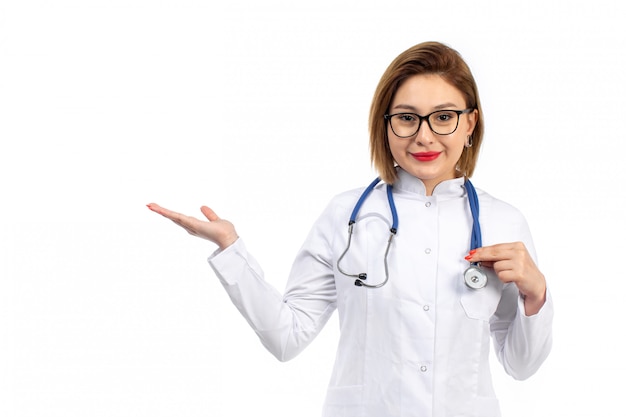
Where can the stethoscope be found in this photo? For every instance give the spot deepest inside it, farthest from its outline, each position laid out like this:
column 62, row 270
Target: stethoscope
column 474, row 276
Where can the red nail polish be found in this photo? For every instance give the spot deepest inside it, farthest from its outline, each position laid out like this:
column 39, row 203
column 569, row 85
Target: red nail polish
column 473, row 251
column 468, row 257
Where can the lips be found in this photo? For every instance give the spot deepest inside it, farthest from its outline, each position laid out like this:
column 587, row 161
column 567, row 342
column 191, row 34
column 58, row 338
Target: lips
column 425, row 156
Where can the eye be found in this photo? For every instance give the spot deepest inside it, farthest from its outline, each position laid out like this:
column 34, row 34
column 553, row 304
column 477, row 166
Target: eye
column 444, row 116
column 407, row 118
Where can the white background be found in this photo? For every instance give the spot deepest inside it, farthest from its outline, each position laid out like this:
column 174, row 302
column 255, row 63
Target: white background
column 259, row 109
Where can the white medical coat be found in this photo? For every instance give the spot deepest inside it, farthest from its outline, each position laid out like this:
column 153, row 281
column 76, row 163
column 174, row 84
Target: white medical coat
column 419, row 345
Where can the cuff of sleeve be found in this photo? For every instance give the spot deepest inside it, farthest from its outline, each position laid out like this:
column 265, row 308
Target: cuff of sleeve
column 218, row 251
column 233, row 264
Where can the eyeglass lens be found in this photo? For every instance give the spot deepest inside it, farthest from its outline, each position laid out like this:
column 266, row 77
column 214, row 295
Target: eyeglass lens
column 442, row 122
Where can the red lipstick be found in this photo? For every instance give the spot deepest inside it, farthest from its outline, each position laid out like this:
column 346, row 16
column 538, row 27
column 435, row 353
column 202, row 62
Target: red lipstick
column 426, row 156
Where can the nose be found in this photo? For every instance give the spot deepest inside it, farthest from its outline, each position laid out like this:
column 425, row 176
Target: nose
column 424, row 133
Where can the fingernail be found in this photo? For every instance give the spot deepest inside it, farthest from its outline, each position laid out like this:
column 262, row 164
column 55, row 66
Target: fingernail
column 468, row 257
column 473, row 251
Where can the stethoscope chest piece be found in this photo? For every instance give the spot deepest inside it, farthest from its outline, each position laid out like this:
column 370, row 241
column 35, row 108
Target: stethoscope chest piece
column 475, row 277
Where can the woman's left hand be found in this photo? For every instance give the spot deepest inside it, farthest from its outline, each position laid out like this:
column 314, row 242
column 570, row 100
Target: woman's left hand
column 512, row 263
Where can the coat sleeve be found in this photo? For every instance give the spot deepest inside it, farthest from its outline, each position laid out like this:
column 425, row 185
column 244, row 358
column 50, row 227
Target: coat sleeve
column 287, row 323
column 522, row 343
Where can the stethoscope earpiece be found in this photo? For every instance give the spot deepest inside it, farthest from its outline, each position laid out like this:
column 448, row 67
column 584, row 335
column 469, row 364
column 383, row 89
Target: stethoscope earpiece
column 359, row 281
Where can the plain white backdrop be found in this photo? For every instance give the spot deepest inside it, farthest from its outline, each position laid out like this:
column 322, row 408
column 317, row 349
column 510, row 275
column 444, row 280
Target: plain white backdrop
column 259, row 109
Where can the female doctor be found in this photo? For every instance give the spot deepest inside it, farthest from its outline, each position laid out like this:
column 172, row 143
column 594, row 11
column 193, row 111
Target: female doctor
column 438, row 265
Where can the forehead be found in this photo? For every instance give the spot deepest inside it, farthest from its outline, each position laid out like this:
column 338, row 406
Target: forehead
column 425, row 92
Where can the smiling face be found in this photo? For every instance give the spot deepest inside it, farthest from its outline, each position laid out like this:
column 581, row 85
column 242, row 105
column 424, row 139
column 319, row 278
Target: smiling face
column 426, row 155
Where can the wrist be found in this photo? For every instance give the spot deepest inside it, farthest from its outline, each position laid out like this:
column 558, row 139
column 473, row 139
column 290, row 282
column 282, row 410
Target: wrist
column 533, row 302
column 227, row 241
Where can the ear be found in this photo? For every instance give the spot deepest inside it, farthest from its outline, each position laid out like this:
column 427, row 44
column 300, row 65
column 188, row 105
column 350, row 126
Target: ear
column 472, row 119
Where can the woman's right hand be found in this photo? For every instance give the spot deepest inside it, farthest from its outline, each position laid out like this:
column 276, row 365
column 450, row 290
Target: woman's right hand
column 219, row 231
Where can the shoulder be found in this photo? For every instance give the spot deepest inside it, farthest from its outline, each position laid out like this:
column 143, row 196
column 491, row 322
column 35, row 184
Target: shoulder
column 336, row 215
column 496, row 207
column 349, row 198
column 501, row 221
column 341, row 205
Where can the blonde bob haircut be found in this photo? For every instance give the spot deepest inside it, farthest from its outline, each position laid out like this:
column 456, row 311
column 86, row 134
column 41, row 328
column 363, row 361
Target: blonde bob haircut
column 424, row 58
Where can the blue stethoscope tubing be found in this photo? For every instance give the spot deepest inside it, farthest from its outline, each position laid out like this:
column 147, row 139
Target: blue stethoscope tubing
column 474, row 276
column 361, row 277
column 472, row 197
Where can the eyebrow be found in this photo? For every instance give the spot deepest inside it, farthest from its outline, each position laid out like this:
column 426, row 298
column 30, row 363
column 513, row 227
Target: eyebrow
column 438, row 107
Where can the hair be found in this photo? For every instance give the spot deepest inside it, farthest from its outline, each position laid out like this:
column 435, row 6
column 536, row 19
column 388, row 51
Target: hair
column 424, row 58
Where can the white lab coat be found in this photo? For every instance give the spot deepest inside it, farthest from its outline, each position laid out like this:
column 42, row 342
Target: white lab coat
column 419, row 345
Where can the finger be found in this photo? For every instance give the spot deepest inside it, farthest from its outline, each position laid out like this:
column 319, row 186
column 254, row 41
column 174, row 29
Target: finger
column 209, row 213
column 508, row 275
column 188, row 223
column 487, row 264
column 506, row 270
column 154, row 207
column 496, row 252
column 163, row 211
column 498, row 267
column 492, row 253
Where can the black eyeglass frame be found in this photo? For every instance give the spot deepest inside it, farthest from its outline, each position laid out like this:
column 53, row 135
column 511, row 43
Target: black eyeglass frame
column 388, row 117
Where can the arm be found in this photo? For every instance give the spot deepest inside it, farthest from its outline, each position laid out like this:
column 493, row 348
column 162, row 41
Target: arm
column 522, row 323
column 522, row 343
column 288, row 323
column 285, row 324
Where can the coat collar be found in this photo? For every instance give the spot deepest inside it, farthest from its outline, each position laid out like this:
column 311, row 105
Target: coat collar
column 407, row 183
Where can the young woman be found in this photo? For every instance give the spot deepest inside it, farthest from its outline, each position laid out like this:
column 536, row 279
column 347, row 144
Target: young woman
column 438, row 265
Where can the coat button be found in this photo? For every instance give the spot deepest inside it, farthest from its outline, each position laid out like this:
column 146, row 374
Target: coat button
column 427, row 251
column 427, row 204
column 423, row 368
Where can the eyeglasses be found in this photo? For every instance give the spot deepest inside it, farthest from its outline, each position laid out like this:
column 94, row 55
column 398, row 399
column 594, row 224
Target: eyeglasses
column 441, row 122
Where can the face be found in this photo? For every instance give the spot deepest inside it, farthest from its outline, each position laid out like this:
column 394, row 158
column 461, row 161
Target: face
column 428, row 156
